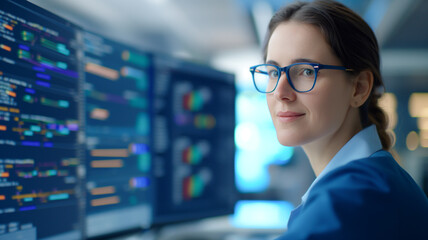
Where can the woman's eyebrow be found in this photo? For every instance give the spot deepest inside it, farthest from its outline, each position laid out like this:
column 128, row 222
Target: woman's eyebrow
column 272, row 62
column 296, row 60
column 305, row 60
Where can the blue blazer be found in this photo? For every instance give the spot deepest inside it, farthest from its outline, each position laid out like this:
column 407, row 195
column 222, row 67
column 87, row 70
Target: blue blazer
column 371, row 198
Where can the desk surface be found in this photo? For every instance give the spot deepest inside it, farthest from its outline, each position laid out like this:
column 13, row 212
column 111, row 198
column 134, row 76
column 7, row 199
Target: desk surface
column 218, row 228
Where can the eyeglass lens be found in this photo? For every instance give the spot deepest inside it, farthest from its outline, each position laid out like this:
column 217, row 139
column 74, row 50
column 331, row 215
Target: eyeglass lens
column 302, row 77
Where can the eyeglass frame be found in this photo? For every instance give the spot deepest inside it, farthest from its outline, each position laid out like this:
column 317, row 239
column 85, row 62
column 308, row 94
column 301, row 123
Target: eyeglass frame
column 286, row 69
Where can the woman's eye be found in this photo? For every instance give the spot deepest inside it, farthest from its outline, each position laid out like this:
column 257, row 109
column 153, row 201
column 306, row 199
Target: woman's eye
column 308, row 72
column 273, row 74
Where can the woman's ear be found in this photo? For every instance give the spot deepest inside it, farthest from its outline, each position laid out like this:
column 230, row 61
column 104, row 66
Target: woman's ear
column 363, row 84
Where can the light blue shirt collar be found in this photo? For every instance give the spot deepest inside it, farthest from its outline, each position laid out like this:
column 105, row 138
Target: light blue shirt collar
column 362, row 145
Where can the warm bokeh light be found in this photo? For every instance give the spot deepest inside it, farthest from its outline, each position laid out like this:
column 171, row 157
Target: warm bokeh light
column 412, row 141
column 418, row 105
column 424, row 138
column 388, row 102
column 423, row 123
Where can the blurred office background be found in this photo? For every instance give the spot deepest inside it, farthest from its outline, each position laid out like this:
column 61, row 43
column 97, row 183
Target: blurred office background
column 228, row 34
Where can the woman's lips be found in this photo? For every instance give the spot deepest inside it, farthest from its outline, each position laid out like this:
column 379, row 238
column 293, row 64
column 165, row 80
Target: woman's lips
column 288, row 116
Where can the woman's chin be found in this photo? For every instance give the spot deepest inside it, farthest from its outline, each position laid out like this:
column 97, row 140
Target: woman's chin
column 289, row 141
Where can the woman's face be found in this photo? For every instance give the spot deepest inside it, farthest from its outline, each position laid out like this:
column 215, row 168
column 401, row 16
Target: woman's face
column 302, row 118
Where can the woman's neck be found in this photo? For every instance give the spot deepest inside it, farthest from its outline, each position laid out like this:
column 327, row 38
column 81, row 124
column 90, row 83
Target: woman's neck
column 321, row 151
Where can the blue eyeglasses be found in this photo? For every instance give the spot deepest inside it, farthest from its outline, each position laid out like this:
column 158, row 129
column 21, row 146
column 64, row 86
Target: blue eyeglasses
column 300, row 76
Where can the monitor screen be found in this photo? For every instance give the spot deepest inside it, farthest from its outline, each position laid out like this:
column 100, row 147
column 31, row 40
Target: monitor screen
column 118, row 134
column 40, row 124
column 193, row 149
column 97, row 137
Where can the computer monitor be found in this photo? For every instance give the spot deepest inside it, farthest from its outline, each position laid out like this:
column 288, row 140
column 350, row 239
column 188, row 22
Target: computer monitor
column 40, row 124
column 97, row 137
column 118, row 82
column 193, row 149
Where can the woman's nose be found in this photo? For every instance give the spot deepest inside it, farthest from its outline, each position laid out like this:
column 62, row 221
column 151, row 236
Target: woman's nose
column 284, row 91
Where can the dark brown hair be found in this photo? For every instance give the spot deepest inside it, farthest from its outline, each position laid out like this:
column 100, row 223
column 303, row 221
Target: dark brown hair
column 352, row 41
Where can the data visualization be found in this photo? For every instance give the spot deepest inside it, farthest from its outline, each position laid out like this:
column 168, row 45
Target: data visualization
column 118, row 134
column 193, row 148
column 39, row 125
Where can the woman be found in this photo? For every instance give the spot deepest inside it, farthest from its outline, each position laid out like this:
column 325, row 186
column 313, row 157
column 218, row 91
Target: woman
column 322, row 82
